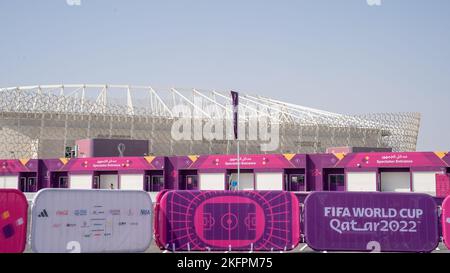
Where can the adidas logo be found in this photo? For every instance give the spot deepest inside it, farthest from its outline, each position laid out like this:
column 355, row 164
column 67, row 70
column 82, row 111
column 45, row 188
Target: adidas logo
column 43, row 214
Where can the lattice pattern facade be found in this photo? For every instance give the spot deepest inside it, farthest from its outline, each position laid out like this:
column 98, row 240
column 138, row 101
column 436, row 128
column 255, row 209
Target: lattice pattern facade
column 39, row 121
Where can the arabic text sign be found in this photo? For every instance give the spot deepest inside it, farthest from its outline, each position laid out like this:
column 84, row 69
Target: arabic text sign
column 111, row 163
column 404, row 159
column 13, row 221
column 363, row 221
column 245, row 161
column 446, row 221
column 91, row 221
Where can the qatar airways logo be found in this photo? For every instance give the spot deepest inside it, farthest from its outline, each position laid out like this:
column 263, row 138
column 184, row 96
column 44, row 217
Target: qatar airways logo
column 205, row 121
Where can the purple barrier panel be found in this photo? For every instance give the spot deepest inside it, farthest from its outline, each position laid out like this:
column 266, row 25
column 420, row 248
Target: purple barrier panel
column 223, row 220
column 13, row 221
column 363, row 221
column 446, row 221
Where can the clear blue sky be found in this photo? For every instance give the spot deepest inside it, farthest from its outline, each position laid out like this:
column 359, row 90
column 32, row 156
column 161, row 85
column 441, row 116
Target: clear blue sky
column 339, row 55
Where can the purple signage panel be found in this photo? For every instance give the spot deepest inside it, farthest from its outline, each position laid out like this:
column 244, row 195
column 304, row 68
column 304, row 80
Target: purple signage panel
column 375, row 221
column 224, row 220
column 111, row 147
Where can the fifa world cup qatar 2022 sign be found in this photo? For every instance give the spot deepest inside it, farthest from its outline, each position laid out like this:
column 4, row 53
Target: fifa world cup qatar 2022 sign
column 91, row 221
column 363, row 221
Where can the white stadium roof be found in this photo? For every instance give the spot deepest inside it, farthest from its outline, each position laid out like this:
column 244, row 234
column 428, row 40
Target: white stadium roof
column 400, row 130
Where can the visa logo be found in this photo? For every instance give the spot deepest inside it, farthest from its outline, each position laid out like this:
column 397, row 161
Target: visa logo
column 145, row 212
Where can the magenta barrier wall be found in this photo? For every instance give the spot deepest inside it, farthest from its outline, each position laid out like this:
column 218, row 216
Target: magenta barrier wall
column 446, row 221
column 13, row 221
column 223, row 220
column 386, row 222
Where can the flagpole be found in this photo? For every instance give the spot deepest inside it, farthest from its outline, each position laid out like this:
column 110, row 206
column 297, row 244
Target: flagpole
column 235, row 102
column 238, row 164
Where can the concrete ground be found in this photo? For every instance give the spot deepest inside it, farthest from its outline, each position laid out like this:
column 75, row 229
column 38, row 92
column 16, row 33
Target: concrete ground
column 302, row 248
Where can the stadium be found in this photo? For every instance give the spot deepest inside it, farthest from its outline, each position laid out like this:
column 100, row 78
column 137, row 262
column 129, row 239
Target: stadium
column 180, row 195
column 40, row 121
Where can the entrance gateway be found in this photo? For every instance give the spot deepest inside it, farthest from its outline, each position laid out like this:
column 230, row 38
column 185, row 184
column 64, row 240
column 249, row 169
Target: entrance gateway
column 248, row 180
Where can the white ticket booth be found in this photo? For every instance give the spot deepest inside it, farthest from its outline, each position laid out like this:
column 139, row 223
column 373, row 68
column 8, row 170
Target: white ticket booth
column 395, row 182
column 132, row 182
column 80, row 181
column 270, row 181
column 424, row 182
column 361, row 181
column 246, row 181
column 9, row 182
column 211, row 181
column 109, row 181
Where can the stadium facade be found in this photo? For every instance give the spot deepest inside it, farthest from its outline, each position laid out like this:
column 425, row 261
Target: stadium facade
column 40, row 121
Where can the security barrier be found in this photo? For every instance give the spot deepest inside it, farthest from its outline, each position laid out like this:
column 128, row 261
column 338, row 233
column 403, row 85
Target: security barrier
column 228, row 220
column 13, row 221
column 66, row 220
column 361, row 221
column 446, row 221
column 91, row 221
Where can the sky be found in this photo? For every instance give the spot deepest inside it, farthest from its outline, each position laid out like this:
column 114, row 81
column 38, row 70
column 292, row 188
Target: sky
column 343, row 56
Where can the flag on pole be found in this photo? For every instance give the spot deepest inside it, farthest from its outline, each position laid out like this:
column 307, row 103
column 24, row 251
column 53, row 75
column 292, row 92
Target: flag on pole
column 235, row 100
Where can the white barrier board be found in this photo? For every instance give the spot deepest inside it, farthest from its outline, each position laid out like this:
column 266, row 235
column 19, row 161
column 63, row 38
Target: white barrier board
column 70, row 220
